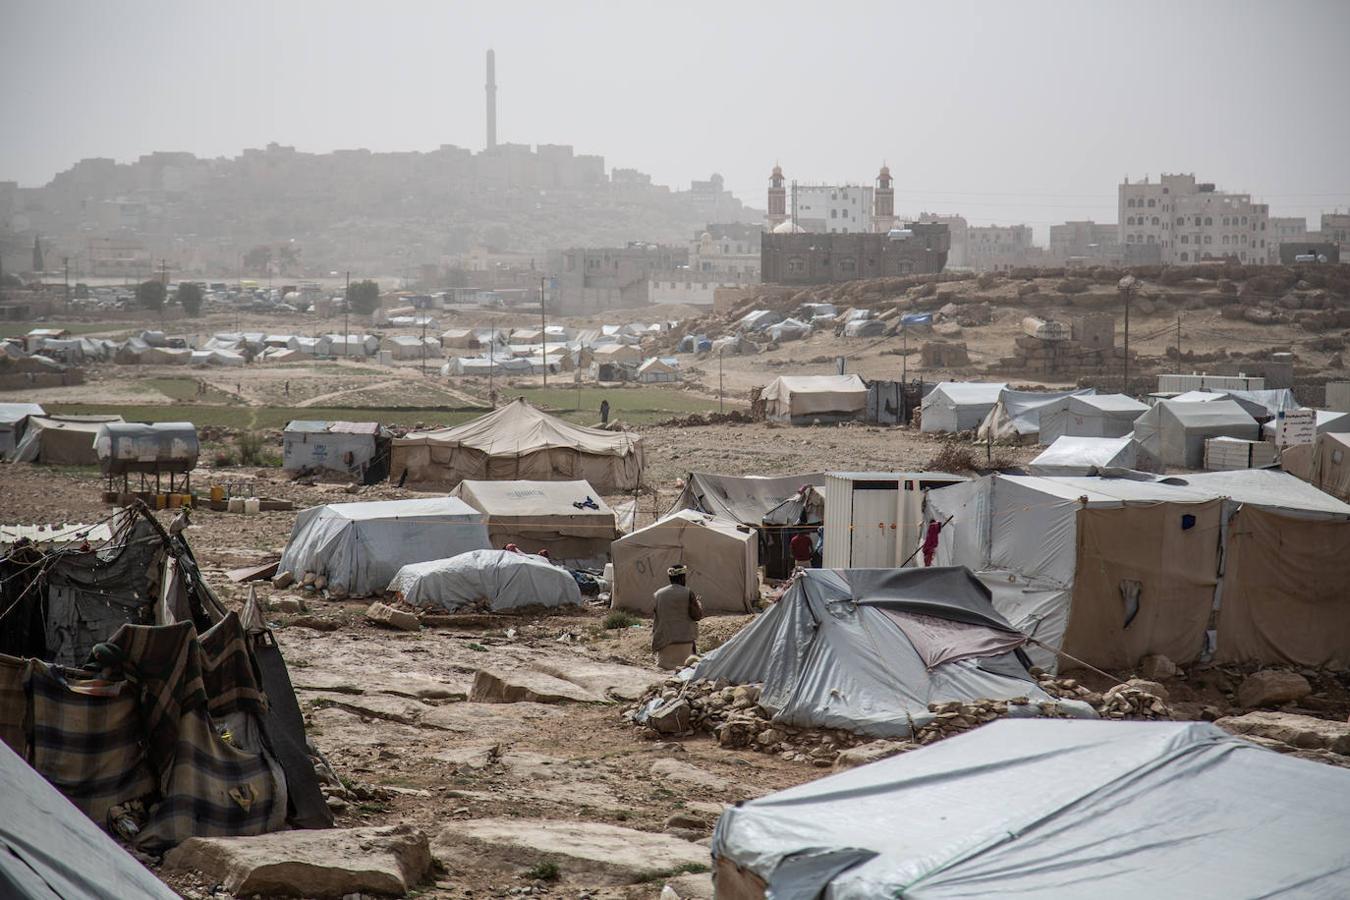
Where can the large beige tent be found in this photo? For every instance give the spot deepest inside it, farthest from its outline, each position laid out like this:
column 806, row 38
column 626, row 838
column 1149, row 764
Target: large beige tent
column 519, row 442
column 61, row 440
column 1325, row 464
column 567, row 518
column 721, row 556
column 807, row 399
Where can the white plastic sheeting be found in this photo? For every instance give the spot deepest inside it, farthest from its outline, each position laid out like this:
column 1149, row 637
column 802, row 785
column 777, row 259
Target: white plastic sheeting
column 954, row 406
column 1081, row 455
column 493, row 579
column 1017, row 414
column 1100, row 415
column 1055, row 809
column 869, row 649
column 801, row 399
column 360, row 546
column 1175, row 431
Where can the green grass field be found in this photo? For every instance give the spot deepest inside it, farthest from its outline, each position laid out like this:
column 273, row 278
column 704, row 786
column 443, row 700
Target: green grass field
column 637, row 406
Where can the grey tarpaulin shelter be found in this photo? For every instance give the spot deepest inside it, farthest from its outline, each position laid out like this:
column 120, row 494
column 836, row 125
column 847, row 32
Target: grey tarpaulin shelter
column 1056, row 810
column 1017, row 414
column 49, row 850
column 568, row 518
column 60, row 440
column 1083, row 455
column 13, row 418
column 954, row 406
column 1175, row 431
column 1098, row 416
column 359, row 547
column 869, row 649
column 350, row 450
column 493, row 580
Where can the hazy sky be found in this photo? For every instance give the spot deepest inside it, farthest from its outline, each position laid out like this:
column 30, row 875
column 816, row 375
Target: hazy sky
column 1006, row 112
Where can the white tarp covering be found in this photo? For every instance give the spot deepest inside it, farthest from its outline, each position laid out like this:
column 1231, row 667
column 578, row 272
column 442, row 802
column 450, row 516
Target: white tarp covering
column 869, row 649
column 1099, row 415
column 569, row 519
column 493, row 580
column 1056, row 810
column 1175, row 431
column 13, row 418
column 801, row 399
column 1017, row 414
column 359, row 546
column 954, row 406
column 1080, row 455
column 722, row 558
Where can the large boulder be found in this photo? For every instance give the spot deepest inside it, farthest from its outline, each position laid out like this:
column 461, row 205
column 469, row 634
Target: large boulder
column 385, row 861
column 526, row 686
column 1304, row 732
column 1272, row 687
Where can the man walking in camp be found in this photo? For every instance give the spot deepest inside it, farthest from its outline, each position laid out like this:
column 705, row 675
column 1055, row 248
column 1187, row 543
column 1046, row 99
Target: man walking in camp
column 675, row 626
column 604, row 412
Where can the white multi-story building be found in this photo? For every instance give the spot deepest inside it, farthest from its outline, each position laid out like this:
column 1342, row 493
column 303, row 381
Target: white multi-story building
column 825, row 209
column 1178, row 221
column 1282, row 229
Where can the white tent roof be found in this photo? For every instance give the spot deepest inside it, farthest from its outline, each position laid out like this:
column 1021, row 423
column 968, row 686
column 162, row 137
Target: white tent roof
column 958, row 405
column 967, row 392
column 1076, row 455
column 1019, row 412
column 534, row 498
column 497, row 579
column 1108, row 403
column 1055, row 809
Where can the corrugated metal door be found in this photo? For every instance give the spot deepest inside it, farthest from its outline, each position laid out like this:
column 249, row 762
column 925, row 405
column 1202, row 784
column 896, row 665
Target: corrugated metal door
column 875, row 508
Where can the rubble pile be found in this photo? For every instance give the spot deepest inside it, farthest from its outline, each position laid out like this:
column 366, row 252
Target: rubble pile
column 736, row 416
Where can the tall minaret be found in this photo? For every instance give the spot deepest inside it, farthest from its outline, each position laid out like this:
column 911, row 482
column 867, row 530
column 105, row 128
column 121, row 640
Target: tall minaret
column 777, row 199
column 491, row 100
column 883, row 202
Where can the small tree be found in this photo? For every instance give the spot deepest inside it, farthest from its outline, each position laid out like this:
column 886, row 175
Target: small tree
column 150, row 294
column 363, row 297
column 190, row 298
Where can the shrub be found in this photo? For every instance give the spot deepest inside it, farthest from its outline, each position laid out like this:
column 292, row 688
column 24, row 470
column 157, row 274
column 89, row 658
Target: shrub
column 620, row 619
column 250, row 448
column 544, row 871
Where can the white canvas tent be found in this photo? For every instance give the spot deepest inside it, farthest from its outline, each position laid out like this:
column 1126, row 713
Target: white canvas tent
column 489, row 580
column 808, row 399
column 1017, row 414
column 1083, row 455
column 60, row 440
column 869, row 649
column 722, row 558
column 359, row 547
column 520, row 442
column 569, row 519
column 657, row 370
column 954, row 406
column 13, row 418
column 1175, row 431
column 1097, row 416
column 1056, row 810
column 1113, row 569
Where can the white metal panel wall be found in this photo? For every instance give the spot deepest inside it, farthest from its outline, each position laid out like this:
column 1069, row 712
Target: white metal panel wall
column 838, row 522
column 874, row 527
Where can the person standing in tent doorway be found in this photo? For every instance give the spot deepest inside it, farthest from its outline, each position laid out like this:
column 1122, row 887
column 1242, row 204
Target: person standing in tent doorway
column 675, row 623
column 604, row 412
column 802, row 548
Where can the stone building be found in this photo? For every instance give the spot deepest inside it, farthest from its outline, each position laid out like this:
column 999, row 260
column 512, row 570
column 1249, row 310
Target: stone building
column 828, row 258
column 1179, row 221
column 991, row 248
column 593, row 279
column 957, row 229
column 1084, row 243
column 1284, row 229
column 1336, row 228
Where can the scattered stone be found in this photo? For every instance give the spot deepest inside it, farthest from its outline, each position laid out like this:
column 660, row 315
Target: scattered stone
column 1272, row 687
column 1138, row 685
column 1158, row 668
column 870, row 753
column 1303, row 732
column 526, row 686
column 674, row 770
column 288, row 605
column 315, row 623
column 308, row 579
column 386, row 615
column 321, row 582
column 671, row 717
column 332, row 863
column 283, row 580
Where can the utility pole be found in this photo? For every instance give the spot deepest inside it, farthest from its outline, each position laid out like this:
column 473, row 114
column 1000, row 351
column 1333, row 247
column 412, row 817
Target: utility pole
column 65, row 263
column 424, row 343
column 543, row 329
column 346, row 311
column 1127, row 289
column 492, row 364
column 1177, row 369
column 720, row 408
column 164, row 280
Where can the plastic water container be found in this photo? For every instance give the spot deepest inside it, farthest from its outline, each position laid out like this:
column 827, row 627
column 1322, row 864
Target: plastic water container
column 236, row 505
column 217, row 493
column 251, row 506
column 609, row 573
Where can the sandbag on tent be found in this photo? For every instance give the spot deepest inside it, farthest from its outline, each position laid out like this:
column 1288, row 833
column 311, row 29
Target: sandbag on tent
column 61, row 440
column 52, row 851
column 869, row 649
column 1175, row 431
column 808, row 399
column 954, row 406
column 722, row 558
column 519, row 441
column 1084, row 455
column 1017, row 414
column 1056, row 810
column 1098, row 415
column 495, row 580
column 358, row 547
column 568, row 518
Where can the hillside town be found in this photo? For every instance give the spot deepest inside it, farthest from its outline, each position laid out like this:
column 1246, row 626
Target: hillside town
column 500, row 522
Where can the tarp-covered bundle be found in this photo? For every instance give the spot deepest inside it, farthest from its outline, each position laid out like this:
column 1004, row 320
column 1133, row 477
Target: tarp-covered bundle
column 1016, row 416
column 162, row 447
column 61, row 440
column 359, row 547
column 1241, row 566
column 1051, row 809
column 520, row 442
column 1084, row 455
column 722, row 558
column 13, row 419
column 811, row 399
column 136, row 740
column 954, row 406
column 486, row 581
column 569, row 519
column 1175, row 431
column 348, row 450
column 864, row 328
column 869, row 649
column 1097, row 416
